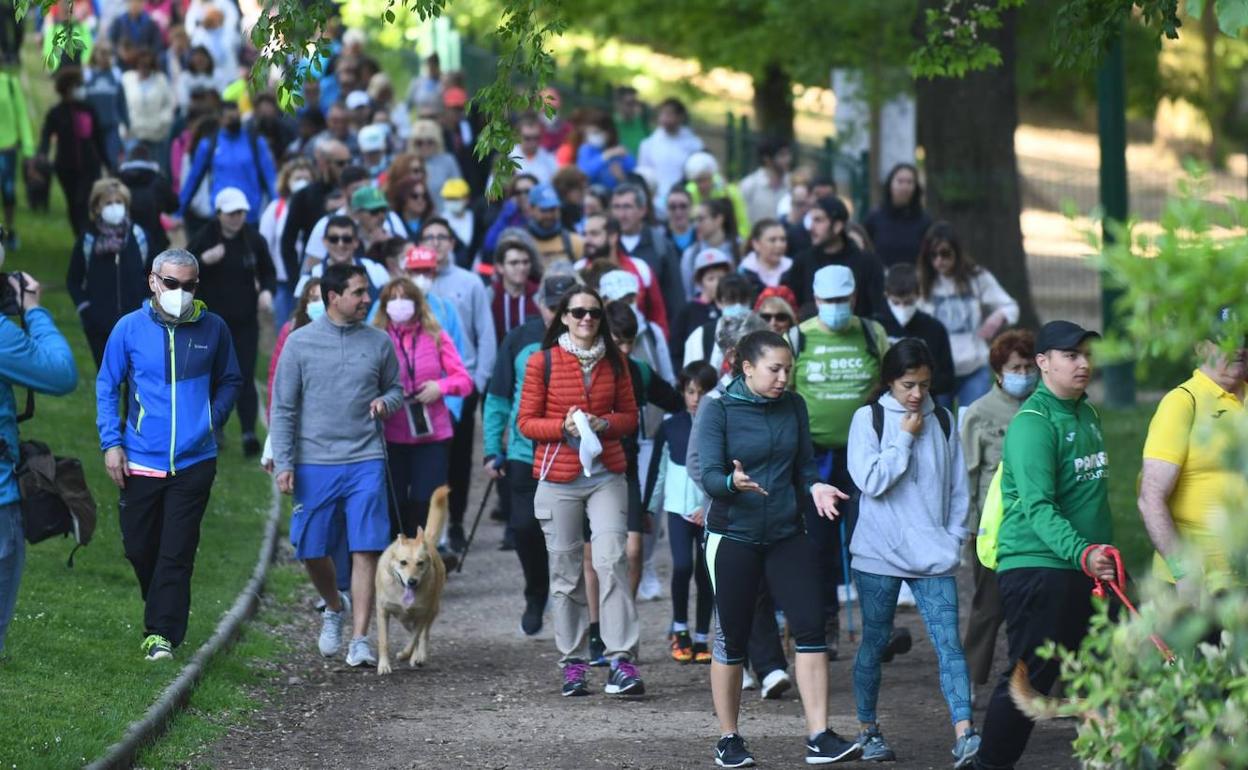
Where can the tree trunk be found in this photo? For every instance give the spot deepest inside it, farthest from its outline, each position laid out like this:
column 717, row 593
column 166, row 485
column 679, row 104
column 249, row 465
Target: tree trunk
column 966, row 127
column 1214, row 109
column 773, row 104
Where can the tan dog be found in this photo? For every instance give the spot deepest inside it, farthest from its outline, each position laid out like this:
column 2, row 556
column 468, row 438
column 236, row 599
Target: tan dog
column 410, row 577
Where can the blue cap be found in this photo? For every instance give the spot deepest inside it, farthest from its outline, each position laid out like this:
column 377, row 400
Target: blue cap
column 544, row 196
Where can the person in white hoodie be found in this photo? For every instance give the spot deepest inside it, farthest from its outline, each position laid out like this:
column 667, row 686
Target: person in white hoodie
column 666, row 150
column 971, row 304
column 905, row 457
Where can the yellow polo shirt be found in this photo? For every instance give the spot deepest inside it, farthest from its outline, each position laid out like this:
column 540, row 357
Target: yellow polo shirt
column 1183, row 433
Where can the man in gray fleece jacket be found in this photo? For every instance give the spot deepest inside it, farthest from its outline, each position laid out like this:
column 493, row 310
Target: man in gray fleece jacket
column 336, row 380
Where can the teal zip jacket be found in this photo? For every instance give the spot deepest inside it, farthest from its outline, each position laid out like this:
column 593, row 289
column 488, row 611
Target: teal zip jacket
column 1055, row 484
column 771, row 438
column 502, row 399
column 38, row 358
column 182, row 380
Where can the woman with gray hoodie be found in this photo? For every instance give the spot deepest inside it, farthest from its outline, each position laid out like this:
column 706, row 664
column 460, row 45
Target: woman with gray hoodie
column 905, row 457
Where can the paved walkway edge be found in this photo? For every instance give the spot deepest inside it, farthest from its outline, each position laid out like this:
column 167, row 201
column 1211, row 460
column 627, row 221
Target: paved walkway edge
column 146, row 729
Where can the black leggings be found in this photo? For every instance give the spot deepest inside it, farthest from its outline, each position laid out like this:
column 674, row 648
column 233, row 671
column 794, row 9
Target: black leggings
column 246, row 335
column 462, row 466
column 530, row 542
column 791, row 568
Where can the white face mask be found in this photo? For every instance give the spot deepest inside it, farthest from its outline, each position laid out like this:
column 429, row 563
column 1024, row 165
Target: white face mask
column 903, row 313
column 456, row 207
column 298, row 185
column 176, row 302
column 401, row 310
column 113, row 213
column 596, row 139
column 422, row 281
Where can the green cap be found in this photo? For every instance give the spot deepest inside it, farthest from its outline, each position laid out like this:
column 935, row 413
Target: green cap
column 368, row 199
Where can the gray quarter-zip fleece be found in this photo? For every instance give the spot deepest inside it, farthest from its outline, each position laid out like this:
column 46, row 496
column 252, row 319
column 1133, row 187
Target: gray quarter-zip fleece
column 326, row 378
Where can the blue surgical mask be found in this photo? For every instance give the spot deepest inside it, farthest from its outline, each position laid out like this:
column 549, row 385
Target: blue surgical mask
column 735, row 311
column 835, row 315
column 1019, row 386
column 315, row 310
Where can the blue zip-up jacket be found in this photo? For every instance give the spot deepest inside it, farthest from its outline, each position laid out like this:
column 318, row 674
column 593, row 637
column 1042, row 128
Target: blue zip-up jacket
column 182, row 380
column 41, row 361
column 233, row 166
column 502, row 399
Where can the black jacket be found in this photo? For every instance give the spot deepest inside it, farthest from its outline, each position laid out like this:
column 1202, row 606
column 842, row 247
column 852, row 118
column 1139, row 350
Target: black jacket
column 897, row 233
column 73, row 154
column 151, row 194
column 229, row 286
column 868, row 276
column 662, row 257
column 932, row 332
column 692, row 316
column 104, row 287
column 306, row 209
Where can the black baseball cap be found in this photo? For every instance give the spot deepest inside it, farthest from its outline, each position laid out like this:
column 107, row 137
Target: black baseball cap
column 554, row 287
column 1062, row 335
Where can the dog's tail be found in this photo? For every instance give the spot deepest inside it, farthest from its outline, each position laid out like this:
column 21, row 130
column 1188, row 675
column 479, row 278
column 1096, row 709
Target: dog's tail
column 438, row 508
column 1028, row 699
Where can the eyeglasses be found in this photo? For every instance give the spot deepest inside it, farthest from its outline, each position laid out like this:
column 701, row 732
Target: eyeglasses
column 337, row 239
column 174, row 283
column 769, row 317
column 595, row 313
column 436, row 238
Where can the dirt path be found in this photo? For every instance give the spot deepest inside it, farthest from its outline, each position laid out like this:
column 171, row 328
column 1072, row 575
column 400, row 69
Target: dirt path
column 489, row 698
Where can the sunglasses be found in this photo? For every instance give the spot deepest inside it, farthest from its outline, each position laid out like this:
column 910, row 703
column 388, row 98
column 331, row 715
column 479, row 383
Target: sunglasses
column 174, row 283
column 769, row 317
column 337, row 239
column 579, row 313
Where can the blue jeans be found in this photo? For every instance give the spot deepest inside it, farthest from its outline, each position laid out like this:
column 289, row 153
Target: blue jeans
column 12, row 559
column 967, row 388
column 937, row 598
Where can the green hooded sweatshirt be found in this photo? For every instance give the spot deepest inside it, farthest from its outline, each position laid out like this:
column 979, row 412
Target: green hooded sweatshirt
column 1055, row 485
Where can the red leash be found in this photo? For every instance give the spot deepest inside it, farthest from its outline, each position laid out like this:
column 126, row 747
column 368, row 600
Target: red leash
column 1118, row 586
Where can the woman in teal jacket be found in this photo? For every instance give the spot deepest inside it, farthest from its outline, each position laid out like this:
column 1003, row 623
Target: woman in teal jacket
column 758, row 475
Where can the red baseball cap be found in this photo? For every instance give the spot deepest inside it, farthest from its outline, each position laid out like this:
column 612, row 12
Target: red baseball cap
column 420, row 258
column 454, row 97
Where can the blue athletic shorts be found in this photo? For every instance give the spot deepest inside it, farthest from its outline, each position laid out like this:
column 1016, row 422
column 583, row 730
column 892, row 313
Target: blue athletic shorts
column 333, row 499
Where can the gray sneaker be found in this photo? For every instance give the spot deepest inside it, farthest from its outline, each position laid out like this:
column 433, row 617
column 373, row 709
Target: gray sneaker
column 360, row 653
column 874, row 747
column 965, row 749
column 330, row 640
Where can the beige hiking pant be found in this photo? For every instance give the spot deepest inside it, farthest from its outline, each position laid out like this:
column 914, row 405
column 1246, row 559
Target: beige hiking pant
column 561, row 510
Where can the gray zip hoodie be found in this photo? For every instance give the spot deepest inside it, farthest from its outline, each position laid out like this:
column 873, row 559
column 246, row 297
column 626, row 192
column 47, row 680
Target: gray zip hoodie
column 326, row 378
column 913, row 508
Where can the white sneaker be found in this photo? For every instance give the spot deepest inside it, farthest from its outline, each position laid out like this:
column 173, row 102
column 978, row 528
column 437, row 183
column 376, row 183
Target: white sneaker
column 748, row 682
column 905, row 598
column 775, row 684
column 650, row 588
column 330, row 640
column 361, row 653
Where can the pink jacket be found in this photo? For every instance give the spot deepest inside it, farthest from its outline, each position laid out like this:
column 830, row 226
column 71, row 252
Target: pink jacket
column 421, row 359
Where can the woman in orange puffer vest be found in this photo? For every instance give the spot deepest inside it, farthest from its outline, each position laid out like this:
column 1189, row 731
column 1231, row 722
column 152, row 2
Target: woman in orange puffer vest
column 580, row 368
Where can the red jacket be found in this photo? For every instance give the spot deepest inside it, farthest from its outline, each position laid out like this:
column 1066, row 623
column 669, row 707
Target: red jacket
column 544, row 406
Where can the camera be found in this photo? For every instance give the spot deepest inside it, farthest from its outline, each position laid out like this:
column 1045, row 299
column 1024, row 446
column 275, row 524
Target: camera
column 10, row 298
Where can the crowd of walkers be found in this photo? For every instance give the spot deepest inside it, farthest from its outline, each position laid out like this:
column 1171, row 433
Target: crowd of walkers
column 803, row 405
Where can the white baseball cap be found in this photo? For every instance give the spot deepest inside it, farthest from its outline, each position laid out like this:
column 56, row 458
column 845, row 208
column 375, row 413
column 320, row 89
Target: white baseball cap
column 618, row 284
column 834, row 282
column 372, row 138
column 231, row 199
column 357, row 99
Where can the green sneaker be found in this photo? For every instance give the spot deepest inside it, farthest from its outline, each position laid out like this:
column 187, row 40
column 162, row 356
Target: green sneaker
column 157, row 647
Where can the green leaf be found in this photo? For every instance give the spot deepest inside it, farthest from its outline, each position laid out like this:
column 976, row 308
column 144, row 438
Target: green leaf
column 1232, row 16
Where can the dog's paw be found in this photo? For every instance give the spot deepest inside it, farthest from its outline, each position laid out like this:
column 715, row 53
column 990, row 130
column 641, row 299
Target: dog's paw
column 383, row 667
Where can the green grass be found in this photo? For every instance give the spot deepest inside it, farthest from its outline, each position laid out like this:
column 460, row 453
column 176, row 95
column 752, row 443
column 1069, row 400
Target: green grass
column 72, row 676
column 1125, row 430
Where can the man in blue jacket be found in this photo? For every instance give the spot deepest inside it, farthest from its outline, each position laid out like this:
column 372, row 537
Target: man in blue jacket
column 177, row 362
column 38, row 358
column 235, row 157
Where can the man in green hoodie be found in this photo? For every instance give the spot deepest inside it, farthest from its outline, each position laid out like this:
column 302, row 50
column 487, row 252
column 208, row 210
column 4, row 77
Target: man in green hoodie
column 1055, row 489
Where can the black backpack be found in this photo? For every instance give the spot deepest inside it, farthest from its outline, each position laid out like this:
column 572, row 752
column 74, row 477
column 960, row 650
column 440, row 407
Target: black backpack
column 55, row 497
column 942, row 416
